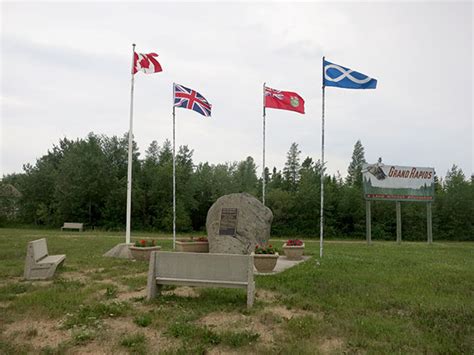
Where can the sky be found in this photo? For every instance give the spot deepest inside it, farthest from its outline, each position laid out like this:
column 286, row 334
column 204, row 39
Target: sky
column 65, row 72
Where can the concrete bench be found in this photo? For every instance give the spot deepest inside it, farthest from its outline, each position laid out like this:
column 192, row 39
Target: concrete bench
column 198, row 269
column 68, row 225
column 39, row 265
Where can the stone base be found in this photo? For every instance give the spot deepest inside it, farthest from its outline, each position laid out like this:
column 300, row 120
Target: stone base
column 294, row 252
column 121, row 251
column 265, row 263
column 143, row 253
column 192, row 246
column 283, row 264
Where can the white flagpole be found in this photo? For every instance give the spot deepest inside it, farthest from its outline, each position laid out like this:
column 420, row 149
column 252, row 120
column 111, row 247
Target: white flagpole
column 130, row 149
column 321, row 234
column 263, row 172
column 174, row 175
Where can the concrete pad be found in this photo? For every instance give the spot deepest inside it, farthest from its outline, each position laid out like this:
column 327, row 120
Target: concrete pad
column 282, row 264
column 121, row 251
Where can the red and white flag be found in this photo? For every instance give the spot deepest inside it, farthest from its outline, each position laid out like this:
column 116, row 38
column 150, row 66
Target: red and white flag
column 283, row 100
column 146, row 63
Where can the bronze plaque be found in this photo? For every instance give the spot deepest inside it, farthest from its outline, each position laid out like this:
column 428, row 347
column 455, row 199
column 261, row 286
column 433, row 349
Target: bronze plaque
column 228, row 223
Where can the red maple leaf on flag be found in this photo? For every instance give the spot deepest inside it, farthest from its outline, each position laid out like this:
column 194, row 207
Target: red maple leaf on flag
column 146, row 63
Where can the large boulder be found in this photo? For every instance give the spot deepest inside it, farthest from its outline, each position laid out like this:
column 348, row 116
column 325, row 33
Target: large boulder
column 236, row 223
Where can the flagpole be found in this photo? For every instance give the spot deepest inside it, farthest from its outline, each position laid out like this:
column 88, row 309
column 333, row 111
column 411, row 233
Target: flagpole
column 321, row 233
column 130, row 149
column 174, row 175
column 263, row 172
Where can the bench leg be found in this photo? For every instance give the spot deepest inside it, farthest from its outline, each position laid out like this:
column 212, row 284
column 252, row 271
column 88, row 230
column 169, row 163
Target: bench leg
column 29, row 262
column 250, row 295
column 251, row 283
column 152, row 288
column 51, row 271
column 53, row 268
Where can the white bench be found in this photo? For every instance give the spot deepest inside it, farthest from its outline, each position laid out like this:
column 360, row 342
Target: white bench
column 198, row 269
column 39, row 265
column 68, row 225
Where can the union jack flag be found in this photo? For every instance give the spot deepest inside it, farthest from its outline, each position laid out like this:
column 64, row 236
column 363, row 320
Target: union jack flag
column 191, row 99
column 273, row 93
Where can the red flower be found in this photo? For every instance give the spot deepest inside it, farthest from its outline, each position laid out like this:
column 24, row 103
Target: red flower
column 143, row 242
column 294, row 242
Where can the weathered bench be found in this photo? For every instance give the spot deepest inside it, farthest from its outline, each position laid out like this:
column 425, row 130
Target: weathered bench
column 38, row 264
column 68, row 225
column 198, row 269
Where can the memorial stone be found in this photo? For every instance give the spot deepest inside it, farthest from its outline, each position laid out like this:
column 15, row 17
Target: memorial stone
column 236, row 223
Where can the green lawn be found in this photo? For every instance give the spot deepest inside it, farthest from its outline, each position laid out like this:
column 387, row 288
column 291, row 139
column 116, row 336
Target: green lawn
column 386, row 298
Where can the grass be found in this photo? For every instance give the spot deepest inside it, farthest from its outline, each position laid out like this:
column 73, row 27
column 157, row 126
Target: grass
column 143, row 320
column 136, row 343
column 386, row 298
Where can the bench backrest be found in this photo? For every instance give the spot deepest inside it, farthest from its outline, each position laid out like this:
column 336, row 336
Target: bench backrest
column 39, row 249
column 200, row 266
column 73, row 225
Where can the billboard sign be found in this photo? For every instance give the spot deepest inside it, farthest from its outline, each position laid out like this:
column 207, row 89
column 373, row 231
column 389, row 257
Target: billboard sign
column 398, row 183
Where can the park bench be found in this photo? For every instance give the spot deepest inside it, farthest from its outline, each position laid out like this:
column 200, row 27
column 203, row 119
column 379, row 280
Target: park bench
column 68, row 225
column 39, row 265
column 198, row 269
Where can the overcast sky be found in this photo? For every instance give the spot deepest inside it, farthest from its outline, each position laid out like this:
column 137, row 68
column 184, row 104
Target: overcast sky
column 65, row 72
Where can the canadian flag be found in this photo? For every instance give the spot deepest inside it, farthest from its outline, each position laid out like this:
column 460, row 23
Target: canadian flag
column 146, row 63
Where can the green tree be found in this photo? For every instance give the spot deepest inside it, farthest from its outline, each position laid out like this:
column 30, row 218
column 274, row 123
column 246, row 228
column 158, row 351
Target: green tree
column 291, row 171
column 185, row 187
column 275, row 181
column 115, row 150
column 456, row 209
column 245, row 176
column 306, row 210
column 83, row 182
column 354, row 171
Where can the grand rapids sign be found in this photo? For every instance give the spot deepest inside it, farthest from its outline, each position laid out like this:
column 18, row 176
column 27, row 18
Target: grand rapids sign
column 398, row 183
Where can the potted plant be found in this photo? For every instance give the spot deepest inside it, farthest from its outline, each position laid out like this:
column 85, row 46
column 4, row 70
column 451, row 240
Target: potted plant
column 193, row 245
column 265, row 258
column 293, row 249
column 142, row 249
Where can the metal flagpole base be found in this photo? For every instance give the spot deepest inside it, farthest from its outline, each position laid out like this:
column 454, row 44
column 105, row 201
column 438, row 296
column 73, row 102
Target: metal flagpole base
column 121, row 251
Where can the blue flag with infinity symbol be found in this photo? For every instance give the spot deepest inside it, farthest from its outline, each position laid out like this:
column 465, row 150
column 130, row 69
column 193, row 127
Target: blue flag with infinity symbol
column 341, row 77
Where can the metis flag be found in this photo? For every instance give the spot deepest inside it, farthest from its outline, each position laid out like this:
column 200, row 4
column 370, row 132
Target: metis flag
column 191, row 99
column 283, row 100
column 146, row 63
column 341, row 77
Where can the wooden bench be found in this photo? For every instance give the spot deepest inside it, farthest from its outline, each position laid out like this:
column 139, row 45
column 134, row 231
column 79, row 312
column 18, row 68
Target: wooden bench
column 198, row 269
column 68, row 225
column 39, row 265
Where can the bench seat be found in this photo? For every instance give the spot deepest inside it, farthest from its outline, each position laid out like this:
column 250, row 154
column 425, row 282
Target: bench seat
column 38, row 264
column 202, row 270
column 201, row 283
column 52, row 259
column 69, row 225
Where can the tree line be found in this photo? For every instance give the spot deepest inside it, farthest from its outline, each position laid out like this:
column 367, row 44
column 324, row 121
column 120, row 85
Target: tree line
column 85, row 180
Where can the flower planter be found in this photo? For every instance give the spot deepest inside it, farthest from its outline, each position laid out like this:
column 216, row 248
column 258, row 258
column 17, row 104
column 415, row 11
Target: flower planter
column 265, row 262
column 192, row 246
column 143, row 253
column 293, row 252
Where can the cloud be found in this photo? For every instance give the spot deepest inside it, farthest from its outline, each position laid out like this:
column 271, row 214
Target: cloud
column 66, row 72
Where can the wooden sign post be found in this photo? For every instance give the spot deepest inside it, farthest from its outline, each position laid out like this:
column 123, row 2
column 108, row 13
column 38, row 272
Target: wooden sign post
column 397, row 183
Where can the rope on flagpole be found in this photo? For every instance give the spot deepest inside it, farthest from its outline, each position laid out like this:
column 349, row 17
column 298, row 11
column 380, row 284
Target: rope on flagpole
column 263, row 169
column 321, row 230
column 130, row 149
column 174, row 175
